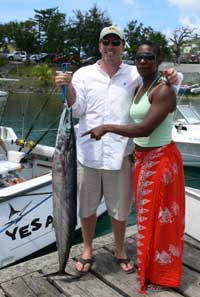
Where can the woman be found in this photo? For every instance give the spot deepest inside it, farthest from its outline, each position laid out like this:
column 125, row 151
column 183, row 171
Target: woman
column 158, row 174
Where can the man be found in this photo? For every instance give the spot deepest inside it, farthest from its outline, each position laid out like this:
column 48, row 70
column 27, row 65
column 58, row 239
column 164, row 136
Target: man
column 102, row 93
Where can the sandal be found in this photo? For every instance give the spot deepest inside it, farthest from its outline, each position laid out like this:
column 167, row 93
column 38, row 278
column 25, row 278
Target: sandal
column 156, row 288
column 84, row 262
column 125, row 261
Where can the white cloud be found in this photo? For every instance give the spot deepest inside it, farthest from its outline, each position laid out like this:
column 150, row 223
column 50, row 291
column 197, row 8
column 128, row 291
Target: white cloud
column 184, row 3
column 189, row 11
column 186, row 7
column 129, row 2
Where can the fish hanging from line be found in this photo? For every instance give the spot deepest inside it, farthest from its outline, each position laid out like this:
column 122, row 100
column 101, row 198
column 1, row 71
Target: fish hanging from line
column 64, row 181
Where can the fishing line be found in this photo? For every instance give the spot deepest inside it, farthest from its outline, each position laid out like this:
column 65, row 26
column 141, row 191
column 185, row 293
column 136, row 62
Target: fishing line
column 33, row 144
column 37, row 115
column 23, row 109
column 64, row 67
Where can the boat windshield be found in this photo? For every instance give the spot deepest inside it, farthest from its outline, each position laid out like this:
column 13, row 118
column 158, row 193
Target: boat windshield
column 189, row 113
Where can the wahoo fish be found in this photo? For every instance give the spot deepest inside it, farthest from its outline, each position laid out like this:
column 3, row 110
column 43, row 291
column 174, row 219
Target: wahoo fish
column 64, row 183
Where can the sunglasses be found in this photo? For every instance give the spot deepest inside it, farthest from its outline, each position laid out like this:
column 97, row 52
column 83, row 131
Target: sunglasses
column 145, row 57
column 114, row 42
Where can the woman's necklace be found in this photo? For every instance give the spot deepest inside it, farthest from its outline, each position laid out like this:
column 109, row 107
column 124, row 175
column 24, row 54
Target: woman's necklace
column 149, row 87
column 153, row 83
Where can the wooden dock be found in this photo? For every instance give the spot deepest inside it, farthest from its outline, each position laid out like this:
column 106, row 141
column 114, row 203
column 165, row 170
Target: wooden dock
column 28, row 279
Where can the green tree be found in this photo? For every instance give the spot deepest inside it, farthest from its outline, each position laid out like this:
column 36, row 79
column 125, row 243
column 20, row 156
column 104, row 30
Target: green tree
column 137, row 32
column 179, row 37
column 84, row 30
column 95, row 20
column 2, row 35
column 43, row 73
column 163, row 42
column 22, row 34
column 51, row 30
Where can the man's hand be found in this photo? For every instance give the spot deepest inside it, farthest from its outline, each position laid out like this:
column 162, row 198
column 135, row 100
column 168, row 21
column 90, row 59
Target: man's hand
column 171, row 75
column 63, row 78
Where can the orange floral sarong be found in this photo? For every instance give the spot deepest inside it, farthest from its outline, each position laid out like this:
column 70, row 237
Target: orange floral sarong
column 160, row 206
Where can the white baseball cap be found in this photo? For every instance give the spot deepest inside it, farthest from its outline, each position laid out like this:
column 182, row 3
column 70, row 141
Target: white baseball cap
column 112, row 30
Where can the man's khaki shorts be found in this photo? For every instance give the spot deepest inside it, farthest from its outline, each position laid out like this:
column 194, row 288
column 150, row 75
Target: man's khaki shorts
column 116, row 186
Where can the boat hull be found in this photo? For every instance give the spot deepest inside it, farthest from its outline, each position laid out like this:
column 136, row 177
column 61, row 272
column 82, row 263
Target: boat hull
column 185, row 133
column 190, row 154
column 192, row 212
column 187, row 138
column 26, row 222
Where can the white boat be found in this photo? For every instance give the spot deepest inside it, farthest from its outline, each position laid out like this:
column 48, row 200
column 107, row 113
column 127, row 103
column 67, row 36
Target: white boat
column 192, row 212
column 3, row 101
column 3, row 96
column 25, row 199
column 186, row 134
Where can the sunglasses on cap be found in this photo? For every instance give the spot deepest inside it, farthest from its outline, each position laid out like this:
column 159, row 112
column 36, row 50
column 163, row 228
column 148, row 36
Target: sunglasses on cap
column 145, row 57
column 114, row 42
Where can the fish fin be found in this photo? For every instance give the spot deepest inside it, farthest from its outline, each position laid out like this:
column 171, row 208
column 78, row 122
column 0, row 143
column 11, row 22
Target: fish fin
column 68, row 277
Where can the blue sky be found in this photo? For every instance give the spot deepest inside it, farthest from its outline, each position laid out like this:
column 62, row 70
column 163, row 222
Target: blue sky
column 162, row 15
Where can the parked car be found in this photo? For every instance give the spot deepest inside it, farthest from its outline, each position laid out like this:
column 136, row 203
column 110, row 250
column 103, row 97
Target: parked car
column 184, row 59
column 58, row 59
column 88, row 60
column 17, row 56
column 130, row 61
column 71, row 58
column 34, row 58
column 43, row 57
column 194, row 59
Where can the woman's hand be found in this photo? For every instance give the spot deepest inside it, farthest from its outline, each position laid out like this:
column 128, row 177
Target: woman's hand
column 63, row 78
column 96, row 133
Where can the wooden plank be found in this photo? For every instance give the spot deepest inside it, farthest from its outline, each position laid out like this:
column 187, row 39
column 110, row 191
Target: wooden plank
column 2, row 293
column 41, row 286
column 106, row 269
column 27, row 267
column 191, row 257
column 165, row 293
column 105, row 280
column 86, row 286
column 30, row 286
column 192, row 241
column 130, row 247
column 17, row 288
column 190, row 286
column 36, row 264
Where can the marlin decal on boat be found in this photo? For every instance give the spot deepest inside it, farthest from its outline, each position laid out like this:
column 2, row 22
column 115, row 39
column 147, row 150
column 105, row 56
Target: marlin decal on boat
column 19, row 213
